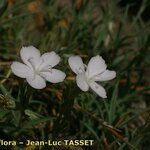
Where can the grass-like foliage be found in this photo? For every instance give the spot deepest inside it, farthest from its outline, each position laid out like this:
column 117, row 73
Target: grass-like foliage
column 62, row 111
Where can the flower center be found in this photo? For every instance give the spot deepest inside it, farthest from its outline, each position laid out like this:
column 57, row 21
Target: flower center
column 94, row 76
column 80, row 70
column 39, row 68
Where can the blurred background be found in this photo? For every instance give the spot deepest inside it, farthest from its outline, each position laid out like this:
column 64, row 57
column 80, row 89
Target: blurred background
column 118, row 30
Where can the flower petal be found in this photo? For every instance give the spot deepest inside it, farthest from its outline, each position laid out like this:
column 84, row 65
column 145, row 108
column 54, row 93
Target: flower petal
column 30, row 55
column 96, row 66
column 37, row 82
column 98, row 89
column 76, row 64
column 21, row 70
column 55, row 76
column 81, row 82
column 49, row 59
column 105, row 76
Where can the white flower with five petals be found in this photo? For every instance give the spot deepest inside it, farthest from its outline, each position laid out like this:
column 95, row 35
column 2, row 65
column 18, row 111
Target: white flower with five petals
column 37, row 68
column 87, row 76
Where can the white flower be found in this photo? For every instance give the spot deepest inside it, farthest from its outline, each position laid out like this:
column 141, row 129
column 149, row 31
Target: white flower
column 88, row 75
column 36, row 68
